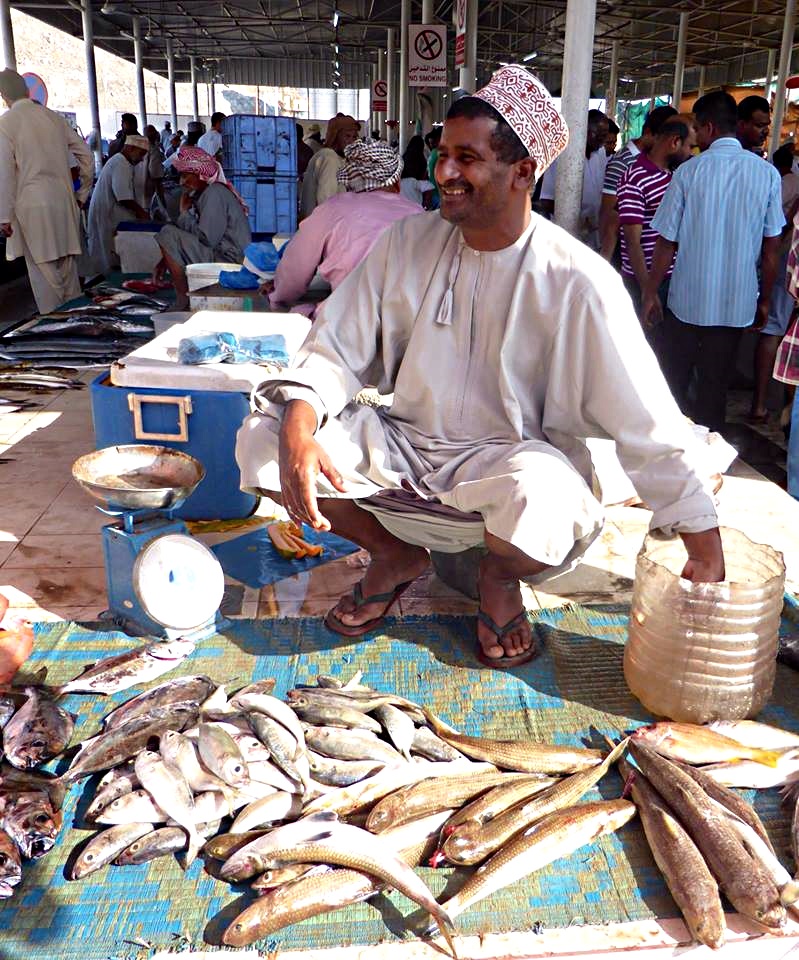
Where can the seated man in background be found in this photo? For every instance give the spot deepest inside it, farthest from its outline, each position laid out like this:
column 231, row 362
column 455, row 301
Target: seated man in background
column 340, row 232
column 212, row 226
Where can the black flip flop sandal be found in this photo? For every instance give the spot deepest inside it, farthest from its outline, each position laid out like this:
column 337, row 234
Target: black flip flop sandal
column 332, row 621
column 504, row 663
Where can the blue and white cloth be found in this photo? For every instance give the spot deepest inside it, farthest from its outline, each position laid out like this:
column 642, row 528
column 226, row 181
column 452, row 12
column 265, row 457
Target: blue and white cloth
column 718, row 208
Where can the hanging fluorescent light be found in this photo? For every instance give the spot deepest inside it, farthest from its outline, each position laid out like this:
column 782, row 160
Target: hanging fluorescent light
column 530, row 56
column 108, row 7
column 335, row 19
column 148, row 33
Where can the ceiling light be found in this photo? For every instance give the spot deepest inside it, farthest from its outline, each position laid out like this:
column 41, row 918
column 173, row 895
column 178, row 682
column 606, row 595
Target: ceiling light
column 335, row 19
column 108, row 7
column 530, row 56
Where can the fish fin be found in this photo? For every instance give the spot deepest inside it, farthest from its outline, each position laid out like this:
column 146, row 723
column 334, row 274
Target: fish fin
column 769, row 758
column 196, row 844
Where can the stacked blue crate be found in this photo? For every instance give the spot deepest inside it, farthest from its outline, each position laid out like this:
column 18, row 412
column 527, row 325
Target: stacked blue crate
column 259, row 156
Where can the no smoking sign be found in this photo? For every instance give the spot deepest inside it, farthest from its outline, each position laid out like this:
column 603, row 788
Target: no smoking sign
column 427, row 60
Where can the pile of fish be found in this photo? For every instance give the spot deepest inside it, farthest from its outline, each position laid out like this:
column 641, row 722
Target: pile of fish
column 34, row 730
column 704, row 836
column 37, row 381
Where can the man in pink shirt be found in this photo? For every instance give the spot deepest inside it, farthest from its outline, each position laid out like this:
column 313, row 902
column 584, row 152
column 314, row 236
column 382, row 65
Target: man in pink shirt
column 340, row 232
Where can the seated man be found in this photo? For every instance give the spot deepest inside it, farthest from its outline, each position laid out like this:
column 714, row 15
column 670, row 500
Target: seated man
column 504, row 342
column 212, row 226
column 341, row 231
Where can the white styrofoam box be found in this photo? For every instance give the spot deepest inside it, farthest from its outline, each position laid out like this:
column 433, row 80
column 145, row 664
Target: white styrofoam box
column 155, row 363
column 204, row 274
column 163, row 321
column 138, row 251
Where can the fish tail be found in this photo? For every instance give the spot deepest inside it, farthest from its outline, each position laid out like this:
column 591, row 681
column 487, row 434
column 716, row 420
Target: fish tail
column 768, row 757
column 444, row 923
column 789, row 894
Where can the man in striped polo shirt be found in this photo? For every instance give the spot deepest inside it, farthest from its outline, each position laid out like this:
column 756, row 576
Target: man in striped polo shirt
column 638, row 198
column 721, row 213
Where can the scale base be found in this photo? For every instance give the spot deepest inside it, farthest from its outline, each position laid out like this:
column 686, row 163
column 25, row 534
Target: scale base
column 135, row 629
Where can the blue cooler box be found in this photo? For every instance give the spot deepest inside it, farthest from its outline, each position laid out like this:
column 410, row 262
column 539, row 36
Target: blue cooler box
column 202, row 423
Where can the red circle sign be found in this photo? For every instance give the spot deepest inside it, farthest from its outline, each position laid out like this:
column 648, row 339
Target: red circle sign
column 428, row 45
column 36, row 88
column 381, row 88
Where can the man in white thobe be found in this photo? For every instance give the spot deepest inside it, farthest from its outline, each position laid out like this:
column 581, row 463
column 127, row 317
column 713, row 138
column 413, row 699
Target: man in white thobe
column 39, row 208
column 115, row 199
column 504, row 342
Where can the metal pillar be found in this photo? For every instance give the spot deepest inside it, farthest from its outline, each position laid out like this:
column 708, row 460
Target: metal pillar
column 770, row 65
column 782, row 75
column 405, row 20
column 195, row 94
column 701, row 91
column 91, row 80
column 7, row 36
column 390, row 81
column 613, row 81
column 170, row 69
column 137, row 56
column 679, row 66
column 578, row 53
column 468, row 72
column 211, row 98
column 652, row 94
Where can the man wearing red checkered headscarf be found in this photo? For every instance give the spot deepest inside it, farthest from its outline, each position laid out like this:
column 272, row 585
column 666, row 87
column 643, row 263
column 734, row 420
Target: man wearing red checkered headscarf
column 504, row 342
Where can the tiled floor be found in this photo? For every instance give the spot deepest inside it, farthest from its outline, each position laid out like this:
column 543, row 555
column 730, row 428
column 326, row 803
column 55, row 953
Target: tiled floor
column 51, row 564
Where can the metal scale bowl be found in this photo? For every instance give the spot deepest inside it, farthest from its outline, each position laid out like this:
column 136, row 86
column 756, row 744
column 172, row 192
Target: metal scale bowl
column 161, row 581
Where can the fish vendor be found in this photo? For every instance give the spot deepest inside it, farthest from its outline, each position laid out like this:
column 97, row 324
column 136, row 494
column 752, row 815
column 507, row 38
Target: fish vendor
column 342, row 230
column 505, row 343
column 114, row 201
column 39, row 211
column 212, row 226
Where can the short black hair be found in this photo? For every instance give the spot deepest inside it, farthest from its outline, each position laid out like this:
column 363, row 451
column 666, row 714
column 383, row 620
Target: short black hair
column 217, row 118
column 674, row 127
column 783, row 157
column 718, row 108
column 129, row 118
column 655, row 119
column 596, row 116
column 433, row 138
column 504, row 141
column 613, row 127
column 750, row 105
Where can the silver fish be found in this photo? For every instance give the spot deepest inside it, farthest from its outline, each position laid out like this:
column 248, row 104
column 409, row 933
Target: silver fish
column 37, row 732
column 250, row 701
column 282, row 745
column 350, row 745
column 168, row 787
column 333, row 715
column 179, row 751
column 341, row 773
column 249, row 859
column 107, row 846
column 128, row 669
column 178, row 690
column 265, row 812
column 115, row 784
column 264, row 771
column 399, row 726
column 29, row 819
column 220, row 754
column 426, row 744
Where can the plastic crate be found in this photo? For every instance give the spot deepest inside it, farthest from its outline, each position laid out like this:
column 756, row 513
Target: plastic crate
column 272, row 202
column 253, row 145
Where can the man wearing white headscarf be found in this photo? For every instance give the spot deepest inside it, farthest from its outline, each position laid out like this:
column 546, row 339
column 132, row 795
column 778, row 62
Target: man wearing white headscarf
column 342, row 230
column 505, row 342
column 39, row 211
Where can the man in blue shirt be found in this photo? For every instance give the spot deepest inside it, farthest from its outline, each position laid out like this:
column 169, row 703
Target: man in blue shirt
column 722, row 214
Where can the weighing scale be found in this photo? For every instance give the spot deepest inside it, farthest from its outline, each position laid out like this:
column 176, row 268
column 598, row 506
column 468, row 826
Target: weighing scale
column 160, row 580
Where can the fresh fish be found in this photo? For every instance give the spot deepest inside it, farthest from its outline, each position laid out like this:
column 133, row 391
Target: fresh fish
column 430, row 796
column 128, row 669
column 179, row 690
column 264, row 771
column 275, row 878
column 20, row 781
column 37, row 732
column 365, row 700
column 224, row 845
column 10, row 865
column 116, row 746
column 117, row 783
column 748, row 774
column 426, row 744
column 559, row 835
column 753, row 734
column 732, row 801
column 511, row 791
column 255, row 790
column 255, row 701
column 161, row 843
column 323, row 714
column 107, row 846
column 7, row 707
column 341, row 773
column 527, row 756
column 696, row 744
column 29, row 819
column 472, row 842
column 357, row 849
column 216, row 706
column 266, row 686
column 219, row 752
column 167, row 786
column 744, row 882
column 282, row 745
column 399, row 726
column 350, row 745
column 178, row 751
column 268, row 811
column 251, row 859
column 689, row 880
column 137, row 806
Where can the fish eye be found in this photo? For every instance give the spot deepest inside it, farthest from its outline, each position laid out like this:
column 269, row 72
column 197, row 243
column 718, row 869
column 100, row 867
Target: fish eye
column 3, row 859
column 41, row 819
column 88, row 857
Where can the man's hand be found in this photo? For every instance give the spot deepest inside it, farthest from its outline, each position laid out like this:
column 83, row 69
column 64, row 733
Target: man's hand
column 6, row 229
column 705, row 557
column 267, row 288
column 761, row 316
column 160, row 271
column 651, row 311
column 302, row 459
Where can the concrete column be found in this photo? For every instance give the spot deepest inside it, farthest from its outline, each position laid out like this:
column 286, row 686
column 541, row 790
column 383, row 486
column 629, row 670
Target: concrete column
column 405, row 20
column 390, row 81
column 770, row 65
column 613, row 82
column 701, row 91
column 679, row 66
column 211, row 98
column 7, row 36
column 170, row 69
column 468, row 72
column 91, row 80
column 782, row 75
column 429, row 16
column 195, row 95
column 137, row 56
column 578, row 55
